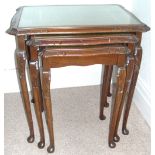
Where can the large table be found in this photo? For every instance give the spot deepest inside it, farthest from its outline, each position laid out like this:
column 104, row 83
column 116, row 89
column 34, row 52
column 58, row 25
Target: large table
column 72, row 22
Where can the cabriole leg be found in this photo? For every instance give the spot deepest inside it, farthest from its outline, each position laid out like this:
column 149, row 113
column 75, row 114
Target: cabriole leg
column 33, row 56
column 117, row 102
column 130, row 66
column 137, row 62
column 20, row 63
column 34, row 71
column 104, row 89
column 48, row 107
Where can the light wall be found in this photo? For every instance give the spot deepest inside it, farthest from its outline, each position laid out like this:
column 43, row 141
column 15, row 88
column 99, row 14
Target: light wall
column 142, row 95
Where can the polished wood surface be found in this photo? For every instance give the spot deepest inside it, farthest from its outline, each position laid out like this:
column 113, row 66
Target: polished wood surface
column 107, row 18
column 129, row 72
column 20, row 56
column 103, row 94
column 72, row 53
column 48, row 107
column 84, row 56
column 110, row 76
column 121, row 77
column 82, row 40
column 60, row 57
column 137, row 63
column 37, row 103
column 112, row 25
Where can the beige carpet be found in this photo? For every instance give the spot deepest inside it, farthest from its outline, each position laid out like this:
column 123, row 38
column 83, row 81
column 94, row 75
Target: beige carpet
column 78, row 130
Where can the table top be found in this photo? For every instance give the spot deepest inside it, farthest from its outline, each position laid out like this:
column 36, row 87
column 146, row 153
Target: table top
column 74, row 19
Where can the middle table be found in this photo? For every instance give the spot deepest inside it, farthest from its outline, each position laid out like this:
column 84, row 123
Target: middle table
column 94, row 49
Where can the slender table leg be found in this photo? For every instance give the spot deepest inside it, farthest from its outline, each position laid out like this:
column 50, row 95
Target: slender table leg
column 137, row 63
column 40, row 89
column 107, row 84
column 126, row 88
column 104, row 89
column 34, row 71
column 33, row 56
column 48, row 107
column 21, row 61
column 109, row 81
column 40, row 93
column 117, row 102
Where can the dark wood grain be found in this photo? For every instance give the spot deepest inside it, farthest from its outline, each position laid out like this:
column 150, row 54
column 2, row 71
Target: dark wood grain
column 33, row 57
column 121, row 76
column 109, row 82
column 137, row 63
column 35, row 86
column 82, row 40
column 13, row 29
column 79, row 30
column 71, row 29
column 48, row 107
column 103, row 94
column 60, row 57
column 20, row 64
column 53, row 39
column 137, row 54
column 129, row 74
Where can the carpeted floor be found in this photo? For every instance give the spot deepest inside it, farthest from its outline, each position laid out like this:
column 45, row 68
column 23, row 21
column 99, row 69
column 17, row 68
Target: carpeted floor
column 77, row 128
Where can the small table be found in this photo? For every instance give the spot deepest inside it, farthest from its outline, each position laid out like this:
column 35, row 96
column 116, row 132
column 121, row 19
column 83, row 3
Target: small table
column 73, row 20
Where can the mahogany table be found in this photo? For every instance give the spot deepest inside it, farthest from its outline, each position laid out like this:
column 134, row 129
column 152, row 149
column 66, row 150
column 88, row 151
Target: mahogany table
column 81, row 50
column 74, row 20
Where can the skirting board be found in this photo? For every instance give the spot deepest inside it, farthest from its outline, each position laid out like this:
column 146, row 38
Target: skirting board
column 142, row 99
